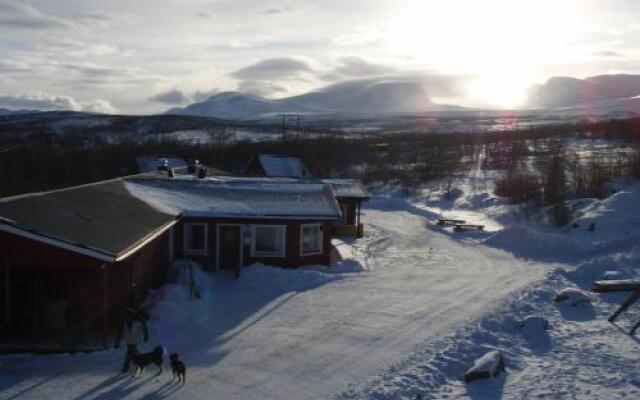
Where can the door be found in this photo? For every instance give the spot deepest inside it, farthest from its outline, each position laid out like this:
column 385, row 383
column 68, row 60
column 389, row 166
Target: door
column 230, row 248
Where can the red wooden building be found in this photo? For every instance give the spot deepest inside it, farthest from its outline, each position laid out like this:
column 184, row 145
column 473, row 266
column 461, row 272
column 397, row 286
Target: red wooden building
column 75, row 259
column 228, row 223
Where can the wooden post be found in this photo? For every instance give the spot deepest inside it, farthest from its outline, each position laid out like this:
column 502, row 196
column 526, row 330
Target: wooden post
column 7, row 295
column 105, row 307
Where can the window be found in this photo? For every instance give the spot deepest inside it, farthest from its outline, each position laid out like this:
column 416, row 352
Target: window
column 310, row 239
column 268, row 241
column 195, row 239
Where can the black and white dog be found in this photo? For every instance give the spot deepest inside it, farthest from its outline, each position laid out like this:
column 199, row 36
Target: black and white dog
column 178, row 368
column 141, row 360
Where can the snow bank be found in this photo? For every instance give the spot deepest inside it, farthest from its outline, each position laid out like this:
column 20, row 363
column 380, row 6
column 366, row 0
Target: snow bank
column 488, row 366
column 572, row 297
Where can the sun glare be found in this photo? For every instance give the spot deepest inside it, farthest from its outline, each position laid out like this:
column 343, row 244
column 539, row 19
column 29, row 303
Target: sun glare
column 502, row 43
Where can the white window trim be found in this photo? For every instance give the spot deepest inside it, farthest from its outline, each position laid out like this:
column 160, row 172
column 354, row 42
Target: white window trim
column 196, row 252
column 320, row 240
column 284, row 241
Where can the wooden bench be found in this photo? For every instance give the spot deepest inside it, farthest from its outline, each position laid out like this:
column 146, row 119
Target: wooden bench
column 451, row 221
column 467, row 227
column 621, row 285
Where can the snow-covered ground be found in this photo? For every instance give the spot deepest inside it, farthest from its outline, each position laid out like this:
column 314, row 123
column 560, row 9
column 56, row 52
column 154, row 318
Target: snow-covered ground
column 581, row 356
column 405, row 312
column 281, row 334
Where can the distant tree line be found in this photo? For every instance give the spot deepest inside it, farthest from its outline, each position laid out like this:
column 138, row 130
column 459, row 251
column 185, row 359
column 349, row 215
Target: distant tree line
column 541, row 163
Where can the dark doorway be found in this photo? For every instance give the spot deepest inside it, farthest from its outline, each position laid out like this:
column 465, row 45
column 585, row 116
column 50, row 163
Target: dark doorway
column 230, row 248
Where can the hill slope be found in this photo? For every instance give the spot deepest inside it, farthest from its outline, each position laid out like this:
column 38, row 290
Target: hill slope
column 567, row 91
column 389, row 95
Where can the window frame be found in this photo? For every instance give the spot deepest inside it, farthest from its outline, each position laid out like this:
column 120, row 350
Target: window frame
column 185, row 239
column 282, row 228
column 320, row 243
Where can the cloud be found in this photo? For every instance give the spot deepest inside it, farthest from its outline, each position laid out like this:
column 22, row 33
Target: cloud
column 173, row 96
column 104, row 19
column 15, row 14
column 607, row 54
column 51, row 102
column 43, row 102
column 362, row 36
column 99, row 106
column 355, row 67
column 277, row 10
column 276, row 68
column 262, row 88
column 8, row 66
column 203, row 95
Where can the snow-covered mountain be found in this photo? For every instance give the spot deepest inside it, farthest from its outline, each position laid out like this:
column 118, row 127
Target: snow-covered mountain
column 230, row 105
column 389, row 95
column 567, row 91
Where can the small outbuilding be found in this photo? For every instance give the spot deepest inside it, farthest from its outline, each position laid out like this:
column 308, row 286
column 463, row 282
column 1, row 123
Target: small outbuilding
column 350, row 194
column 277, row 166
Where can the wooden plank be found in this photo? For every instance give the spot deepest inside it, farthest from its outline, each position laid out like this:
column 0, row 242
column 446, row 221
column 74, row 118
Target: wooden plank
column 461, row 227
column 627, row 303
column 444, row 221
column 621, row 285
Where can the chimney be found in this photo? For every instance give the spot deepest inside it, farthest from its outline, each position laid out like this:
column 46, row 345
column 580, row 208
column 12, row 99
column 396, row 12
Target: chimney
column 202, row 172
column 192, row 168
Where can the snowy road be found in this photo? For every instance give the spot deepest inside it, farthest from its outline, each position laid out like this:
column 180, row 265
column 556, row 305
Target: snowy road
column 307, row 341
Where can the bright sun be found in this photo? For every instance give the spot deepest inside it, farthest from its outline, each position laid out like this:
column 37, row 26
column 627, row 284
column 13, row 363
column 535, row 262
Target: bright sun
column 503, row 44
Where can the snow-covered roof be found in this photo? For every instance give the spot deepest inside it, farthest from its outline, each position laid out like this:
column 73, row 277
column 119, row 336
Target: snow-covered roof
column 151, row 163
column 237, row 197
column 347, row 188
column 283, row 166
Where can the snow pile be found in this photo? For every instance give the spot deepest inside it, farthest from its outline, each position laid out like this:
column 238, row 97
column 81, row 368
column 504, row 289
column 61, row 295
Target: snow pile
column 572, row 297
column 488, row 366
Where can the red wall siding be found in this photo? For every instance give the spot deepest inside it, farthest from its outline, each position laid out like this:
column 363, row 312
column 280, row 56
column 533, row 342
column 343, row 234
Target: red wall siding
column 18, row 251
column 50, row 274
column 292, row 258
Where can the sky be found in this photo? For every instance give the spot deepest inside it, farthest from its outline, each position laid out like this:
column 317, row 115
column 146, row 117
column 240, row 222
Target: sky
column 146, row 56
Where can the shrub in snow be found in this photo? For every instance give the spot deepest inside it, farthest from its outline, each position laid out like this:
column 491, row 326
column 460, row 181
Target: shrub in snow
column 573, row 297
column 488, row 366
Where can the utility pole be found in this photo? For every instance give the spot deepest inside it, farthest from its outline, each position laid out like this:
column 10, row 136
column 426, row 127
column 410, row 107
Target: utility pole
column 285, row 119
